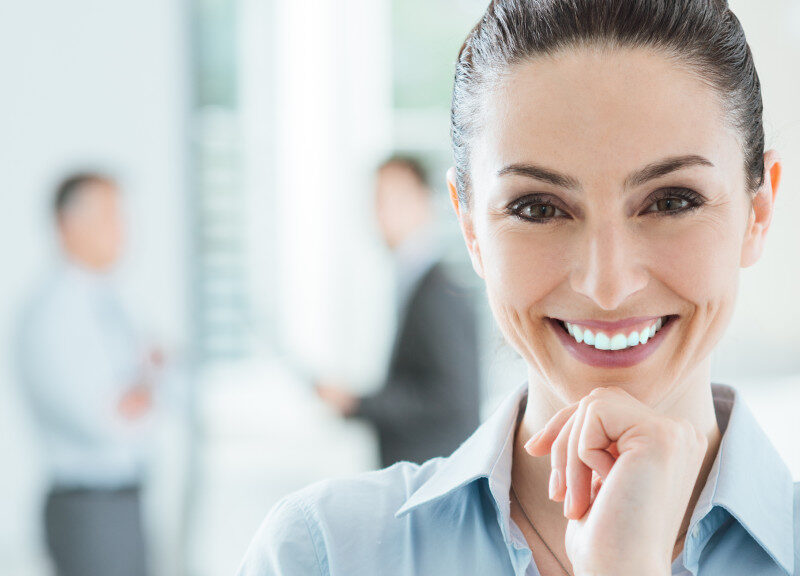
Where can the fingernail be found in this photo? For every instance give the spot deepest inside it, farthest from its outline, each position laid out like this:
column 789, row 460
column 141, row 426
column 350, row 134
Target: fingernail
column 566, row 506
column 533, row 439
column 554, row 482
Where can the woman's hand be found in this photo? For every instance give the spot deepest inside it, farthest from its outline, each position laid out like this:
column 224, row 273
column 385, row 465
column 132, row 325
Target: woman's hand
column 629, row 473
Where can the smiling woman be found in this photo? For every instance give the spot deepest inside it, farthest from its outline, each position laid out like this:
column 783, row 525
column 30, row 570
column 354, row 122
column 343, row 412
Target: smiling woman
column 610, row 181
column 609, row 185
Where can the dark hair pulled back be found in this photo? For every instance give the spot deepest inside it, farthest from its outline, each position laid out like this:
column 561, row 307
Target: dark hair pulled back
column 704, row 35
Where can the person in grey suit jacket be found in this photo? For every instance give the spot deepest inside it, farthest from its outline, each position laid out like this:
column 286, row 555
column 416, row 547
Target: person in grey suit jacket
column 429, row 402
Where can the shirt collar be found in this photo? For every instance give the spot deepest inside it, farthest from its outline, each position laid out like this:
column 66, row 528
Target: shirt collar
column 748, row 478
column 75, row 271
column 477, row 457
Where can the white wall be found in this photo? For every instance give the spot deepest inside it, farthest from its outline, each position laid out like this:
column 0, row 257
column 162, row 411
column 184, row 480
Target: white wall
column 315, row 110
column 332, row 91
column 761, row 340
column 86, row 83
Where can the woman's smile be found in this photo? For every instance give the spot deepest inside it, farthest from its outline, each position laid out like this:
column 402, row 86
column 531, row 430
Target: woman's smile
column 613, row 345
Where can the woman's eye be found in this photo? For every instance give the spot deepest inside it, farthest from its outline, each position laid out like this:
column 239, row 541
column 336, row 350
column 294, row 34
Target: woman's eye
column 536, row 211
column 539, row 211
column 675, row 202
column 670, row 204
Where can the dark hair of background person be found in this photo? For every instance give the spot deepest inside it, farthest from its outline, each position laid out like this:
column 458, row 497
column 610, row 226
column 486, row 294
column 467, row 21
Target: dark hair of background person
column 410, row 163
column 703, row 35
column 71, row 186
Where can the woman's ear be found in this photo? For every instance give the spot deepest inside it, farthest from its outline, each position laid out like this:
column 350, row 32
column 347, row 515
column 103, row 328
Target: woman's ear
column 465, row 223
column 761, row 210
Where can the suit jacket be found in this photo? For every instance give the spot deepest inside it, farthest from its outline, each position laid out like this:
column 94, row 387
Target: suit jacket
column 430, row 400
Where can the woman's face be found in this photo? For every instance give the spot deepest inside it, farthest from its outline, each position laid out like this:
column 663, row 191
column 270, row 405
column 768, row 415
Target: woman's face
column 609, row 192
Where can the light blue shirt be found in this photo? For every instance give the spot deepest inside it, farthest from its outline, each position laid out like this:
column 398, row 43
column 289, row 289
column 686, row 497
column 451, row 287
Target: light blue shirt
column 450, row 516
column 77, row 356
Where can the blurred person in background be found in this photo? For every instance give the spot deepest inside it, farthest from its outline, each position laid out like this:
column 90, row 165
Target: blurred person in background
column 90, row 385
column 429, row 402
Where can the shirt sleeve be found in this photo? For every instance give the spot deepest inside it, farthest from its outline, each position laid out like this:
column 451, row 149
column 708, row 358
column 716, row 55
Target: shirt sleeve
column 286, row 544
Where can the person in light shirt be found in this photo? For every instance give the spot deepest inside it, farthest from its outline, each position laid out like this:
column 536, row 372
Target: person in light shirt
column 89, row 380
column 610, row 181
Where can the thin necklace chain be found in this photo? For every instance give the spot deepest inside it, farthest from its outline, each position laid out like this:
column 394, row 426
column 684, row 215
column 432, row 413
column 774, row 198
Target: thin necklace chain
column 530, row 522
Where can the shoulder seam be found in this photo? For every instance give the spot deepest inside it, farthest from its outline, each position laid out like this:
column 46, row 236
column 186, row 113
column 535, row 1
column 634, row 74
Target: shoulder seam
column 307, row 521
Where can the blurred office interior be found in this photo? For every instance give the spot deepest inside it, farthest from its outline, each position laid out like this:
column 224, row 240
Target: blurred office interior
column 244, row 134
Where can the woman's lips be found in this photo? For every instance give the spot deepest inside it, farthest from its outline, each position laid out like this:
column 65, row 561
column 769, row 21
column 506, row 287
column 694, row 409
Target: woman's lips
column 612, row 327
column 626, row 357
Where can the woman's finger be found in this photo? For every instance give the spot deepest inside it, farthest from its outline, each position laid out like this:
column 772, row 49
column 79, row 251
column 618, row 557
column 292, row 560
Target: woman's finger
column 558, row 461
column 597, row 483
column 539, row 444
column 578, row 475
column 594, row 447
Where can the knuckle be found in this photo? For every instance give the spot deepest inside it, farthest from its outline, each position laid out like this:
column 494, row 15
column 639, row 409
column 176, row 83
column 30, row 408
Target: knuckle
column 615, row 391
column 601, row 392
column 596, row 409
column 599, row 405
column 592, row 412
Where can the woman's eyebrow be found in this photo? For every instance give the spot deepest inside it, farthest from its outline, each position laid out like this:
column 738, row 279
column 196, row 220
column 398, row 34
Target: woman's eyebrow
column 637, row 178
column 664, row 167
column 541, row 173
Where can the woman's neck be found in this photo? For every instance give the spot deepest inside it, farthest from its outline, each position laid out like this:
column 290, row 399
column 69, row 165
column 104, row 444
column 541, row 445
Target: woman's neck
column 691, row 400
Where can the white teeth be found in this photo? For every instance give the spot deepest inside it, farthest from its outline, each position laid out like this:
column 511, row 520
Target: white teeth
column 619, row 341
column 601, row 341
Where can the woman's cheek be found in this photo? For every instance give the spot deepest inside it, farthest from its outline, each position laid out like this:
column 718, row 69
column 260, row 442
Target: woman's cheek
column 698, row 263
column 698, row 260
column 524, row 266
column 522, row 270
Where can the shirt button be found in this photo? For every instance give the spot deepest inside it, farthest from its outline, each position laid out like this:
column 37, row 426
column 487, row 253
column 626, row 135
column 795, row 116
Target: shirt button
column 696, row 531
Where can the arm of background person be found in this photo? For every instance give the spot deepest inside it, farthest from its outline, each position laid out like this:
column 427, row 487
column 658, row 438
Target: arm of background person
column 68, row 376
column 443, row 327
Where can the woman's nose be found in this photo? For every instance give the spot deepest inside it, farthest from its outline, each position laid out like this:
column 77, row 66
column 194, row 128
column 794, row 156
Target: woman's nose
column 607, row 267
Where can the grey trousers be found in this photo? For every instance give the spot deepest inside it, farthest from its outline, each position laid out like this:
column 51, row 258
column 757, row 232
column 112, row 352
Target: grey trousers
column 95, row 532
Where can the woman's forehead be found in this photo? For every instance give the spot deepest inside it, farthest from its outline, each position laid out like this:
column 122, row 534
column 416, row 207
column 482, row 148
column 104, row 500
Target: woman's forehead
column 612, row 110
